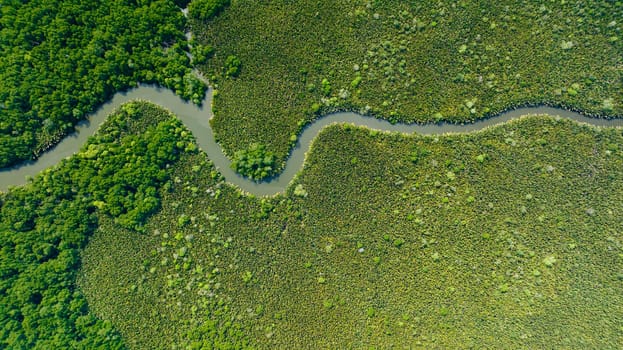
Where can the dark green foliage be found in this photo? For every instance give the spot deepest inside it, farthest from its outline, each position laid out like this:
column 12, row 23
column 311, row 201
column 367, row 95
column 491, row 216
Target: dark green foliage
column 417, row 154
column 122, row 181
column 44, row 226
column 201, row 53
column 232, row 66
column 61, row 59
column 255, row 162
column 326, row 87
column 181, row 3
column 205, row 10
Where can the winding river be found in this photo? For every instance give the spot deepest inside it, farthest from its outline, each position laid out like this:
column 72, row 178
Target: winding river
column 197, row 120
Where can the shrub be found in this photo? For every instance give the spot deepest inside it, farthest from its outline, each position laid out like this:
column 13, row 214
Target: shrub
column 255, row 162
column 201, row 53
column 326, row 87
column 417, row 154
column 300, row 191
column 232, row 66
column 206, row 9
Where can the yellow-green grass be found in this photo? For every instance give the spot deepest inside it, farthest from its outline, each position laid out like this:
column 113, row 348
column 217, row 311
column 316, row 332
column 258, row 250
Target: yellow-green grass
column 406, row 61
column 507, row 238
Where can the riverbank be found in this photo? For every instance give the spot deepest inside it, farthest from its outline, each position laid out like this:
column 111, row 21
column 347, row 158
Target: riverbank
column 197, row 120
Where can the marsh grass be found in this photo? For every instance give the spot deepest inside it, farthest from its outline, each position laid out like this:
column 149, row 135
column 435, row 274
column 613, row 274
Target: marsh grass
column 409, row 62
column 478, row 272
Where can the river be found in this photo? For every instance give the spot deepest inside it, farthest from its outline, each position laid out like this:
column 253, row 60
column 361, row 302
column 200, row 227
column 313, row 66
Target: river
column 197, row 120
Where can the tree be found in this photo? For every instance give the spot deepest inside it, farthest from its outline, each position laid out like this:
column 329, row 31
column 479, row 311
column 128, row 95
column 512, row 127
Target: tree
column 232, row 66
column 205, row 10
column 255, row 162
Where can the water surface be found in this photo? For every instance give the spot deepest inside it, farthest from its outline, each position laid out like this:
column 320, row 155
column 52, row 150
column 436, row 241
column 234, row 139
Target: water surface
column 197, row 120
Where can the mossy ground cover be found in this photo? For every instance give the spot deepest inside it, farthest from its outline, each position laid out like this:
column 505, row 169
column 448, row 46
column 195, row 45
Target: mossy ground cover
column 507, row 238
column 406, row 61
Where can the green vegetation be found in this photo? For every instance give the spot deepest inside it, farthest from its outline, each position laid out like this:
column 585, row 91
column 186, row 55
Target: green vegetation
column 62, row 59
column 256, row 162
column 232, row 66
column 205, row 10
column 122, row 178
column 407, row 61
column 508, row 236
column 499, row 239
column 47, row 223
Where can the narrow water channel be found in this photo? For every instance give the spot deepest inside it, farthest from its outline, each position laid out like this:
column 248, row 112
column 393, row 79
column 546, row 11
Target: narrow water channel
column 197, row 120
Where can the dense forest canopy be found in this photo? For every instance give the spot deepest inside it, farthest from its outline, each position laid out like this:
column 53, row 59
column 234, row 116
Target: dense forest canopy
column 45, row 225
column 61, row 59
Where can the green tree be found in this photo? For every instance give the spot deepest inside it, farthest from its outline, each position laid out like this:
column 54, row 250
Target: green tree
column 206, row 9
column 232, row 66
column 255, row 162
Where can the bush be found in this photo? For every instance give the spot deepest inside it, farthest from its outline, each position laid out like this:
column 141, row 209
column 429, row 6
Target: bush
column 206, row 9
column 326, row 87
column 201, row 53
column 232, row 66
column 255, row 162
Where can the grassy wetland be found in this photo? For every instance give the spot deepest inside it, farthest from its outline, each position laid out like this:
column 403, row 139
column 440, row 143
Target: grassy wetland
column 510, row 237
column 419, row 62
column 506, row 238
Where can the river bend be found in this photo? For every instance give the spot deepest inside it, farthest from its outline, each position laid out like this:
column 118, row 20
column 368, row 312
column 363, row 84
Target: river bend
column 197, row 120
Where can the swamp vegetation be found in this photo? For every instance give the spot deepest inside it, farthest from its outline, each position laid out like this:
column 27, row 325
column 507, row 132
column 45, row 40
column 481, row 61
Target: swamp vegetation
column 506, row 238
column 47, row 223
column 420, row 61
column 62, row 59
column 503, row 237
